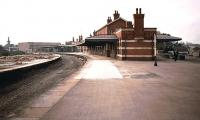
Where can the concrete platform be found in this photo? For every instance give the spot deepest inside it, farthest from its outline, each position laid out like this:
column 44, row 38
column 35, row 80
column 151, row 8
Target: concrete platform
column 29, row 64
column 107, row 89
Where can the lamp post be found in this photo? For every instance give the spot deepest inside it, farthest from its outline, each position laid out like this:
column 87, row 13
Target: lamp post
column 155, row 53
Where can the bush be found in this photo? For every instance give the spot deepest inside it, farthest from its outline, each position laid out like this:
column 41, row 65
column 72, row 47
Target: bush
column 17, row 53
column 4, row 53
column 7, row 53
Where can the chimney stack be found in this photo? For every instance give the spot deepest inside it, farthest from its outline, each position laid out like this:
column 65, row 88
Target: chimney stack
column 139, row 24
column 136, row 10
column 129, row 24
column 109, row 20
column 79, row 38
column 116, row 15
column 94, row 33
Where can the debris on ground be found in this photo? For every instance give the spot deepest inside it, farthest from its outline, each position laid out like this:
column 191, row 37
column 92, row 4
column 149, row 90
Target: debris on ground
column 8, row 61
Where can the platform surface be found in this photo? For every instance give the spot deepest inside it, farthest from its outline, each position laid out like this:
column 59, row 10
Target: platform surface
column 108, row 89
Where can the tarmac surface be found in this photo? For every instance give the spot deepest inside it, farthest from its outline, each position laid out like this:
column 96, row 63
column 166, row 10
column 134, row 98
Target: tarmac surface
column 108, row 89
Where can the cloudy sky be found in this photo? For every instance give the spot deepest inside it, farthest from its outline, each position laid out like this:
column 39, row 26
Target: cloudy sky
column 60, row 20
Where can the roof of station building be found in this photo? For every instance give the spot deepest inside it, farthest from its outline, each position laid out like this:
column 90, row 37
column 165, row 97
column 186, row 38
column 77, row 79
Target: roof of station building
column 166, row 38
column 99, row 40
column 100, row 37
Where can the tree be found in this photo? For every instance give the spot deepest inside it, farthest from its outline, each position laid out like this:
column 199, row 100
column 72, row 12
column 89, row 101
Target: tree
column 3, row 52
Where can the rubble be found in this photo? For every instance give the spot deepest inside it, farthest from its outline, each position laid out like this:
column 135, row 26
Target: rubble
column 8, row 61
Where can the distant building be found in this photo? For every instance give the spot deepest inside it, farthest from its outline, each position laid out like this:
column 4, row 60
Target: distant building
column 71, row 46
column 30, row 47
column 69, row 43
column 194, row 50
column 10, row 47
column 67, row 48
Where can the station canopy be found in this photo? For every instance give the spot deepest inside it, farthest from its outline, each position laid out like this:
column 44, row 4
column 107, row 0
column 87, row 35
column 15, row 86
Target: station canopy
column 99, row 40
column 166, row 38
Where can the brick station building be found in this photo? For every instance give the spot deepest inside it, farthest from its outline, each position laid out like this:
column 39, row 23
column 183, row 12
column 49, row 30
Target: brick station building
column 122, row 39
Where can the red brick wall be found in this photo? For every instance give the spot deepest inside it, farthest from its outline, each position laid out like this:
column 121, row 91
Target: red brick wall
column 116, row 25
column 149, row 35
column 111, row 28
column 135, row 58
column 102, row 31
column 137, row 44
column 127, row 35
column 137, row 52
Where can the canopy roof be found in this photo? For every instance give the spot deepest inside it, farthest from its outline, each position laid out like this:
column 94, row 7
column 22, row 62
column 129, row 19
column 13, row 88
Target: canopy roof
column 166, row 38
column 99, row 40
column 103, row 39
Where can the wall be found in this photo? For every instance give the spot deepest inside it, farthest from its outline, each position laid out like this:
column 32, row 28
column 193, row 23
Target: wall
column 35, row 46
column 25, row 47
column 112, row 27
column 116, row 25
column 130, row 48
column 102, row 31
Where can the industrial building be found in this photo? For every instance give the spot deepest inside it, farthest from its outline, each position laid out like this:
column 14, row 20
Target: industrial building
column 29, row 47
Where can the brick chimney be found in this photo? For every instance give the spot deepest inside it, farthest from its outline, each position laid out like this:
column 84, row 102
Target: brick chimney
column 116, row 15
column 94, row 33
column 79, row 38
column 109, row 20
column 139, row 24
column 129, row 24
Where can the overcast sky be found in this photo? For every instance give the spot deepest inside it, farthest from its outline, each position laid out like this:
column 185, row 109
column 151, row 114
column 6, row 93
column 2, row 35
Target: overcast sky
column 60, row 20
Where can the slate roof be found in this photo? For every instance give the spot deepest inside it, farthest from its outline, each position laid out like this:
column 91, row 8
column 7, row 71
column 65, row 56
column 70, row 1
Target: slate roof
column 99, row 40
column 166, row 38
column 101, row 37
